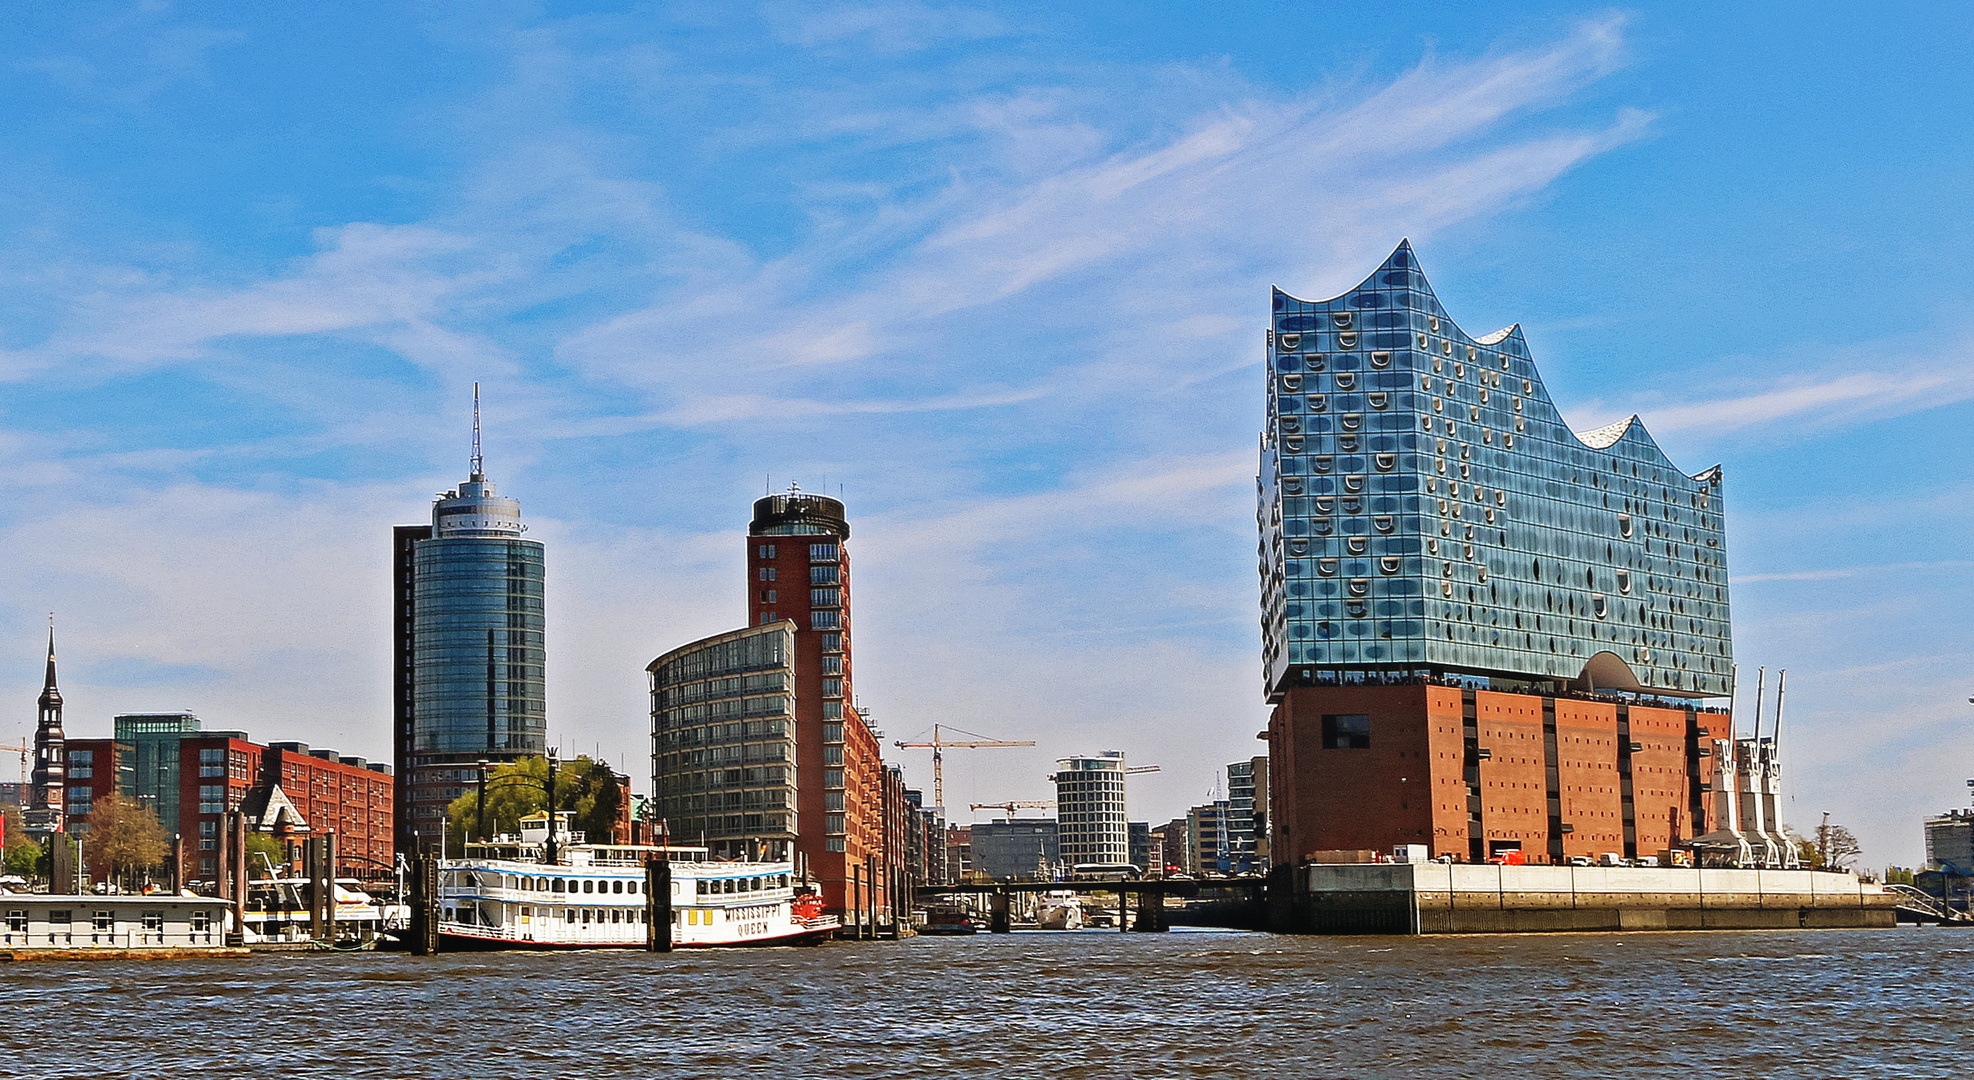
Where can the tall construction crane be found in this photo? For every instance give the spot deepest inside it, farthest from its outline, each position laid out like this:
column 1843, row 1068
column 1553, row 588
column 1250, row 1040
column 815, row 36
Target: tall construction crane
column 25, row 751
column 978, row 742
column 1012, row 806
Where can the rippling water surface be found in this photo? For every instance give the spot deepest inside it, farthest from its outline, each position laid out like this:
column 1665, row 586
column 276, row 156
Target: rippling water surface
column 1887, row 1003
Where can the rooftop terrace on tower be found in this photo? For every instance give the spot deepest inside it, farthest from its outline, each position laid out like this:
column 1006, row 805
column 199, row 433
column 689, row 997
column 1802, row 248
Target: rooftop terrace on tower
column 1423, row 507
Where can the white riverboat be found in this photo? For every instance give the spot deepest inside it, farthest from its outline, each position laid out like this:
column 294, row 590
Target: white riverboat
column 506, row 894
column 1059, row 910
column 278, row 910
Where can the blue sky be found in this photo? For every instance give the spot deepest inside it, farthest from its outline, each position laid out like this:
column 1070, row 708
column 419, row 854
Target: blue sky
column 997, row 271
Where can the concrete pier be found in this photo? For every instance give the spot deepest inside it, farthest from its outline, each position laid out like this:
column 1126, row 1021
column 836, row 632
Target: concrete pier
column 1442, row 898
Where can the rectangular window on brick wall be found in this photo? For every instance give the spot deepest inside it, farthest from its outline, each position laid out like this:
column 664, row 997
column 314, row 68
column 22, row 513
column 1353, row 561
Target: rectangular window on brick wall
column 823, row 553
column 825, row 620
column 1347, row 731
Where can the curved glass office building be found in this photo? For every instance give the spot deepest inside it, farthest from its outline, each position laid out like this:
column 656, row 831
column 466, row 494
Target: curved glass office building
column 1425, row 509
column 470, row 650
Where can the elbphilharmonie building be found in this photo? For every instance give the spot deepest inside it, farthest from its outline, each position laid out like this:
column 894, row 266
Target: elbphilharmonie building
column 1482, row 632
column 1423, row 506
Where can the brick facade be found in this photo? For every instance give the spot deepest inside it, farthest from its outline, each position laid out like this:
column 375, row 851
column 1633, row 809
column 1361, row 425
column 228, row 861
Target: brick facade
column 1470, row 772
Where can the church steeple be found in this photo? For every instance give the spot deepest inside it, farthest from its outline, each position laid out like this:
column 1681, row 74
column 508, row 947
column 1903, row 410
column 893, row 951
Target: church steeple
column 49, row 781
column 51, row 695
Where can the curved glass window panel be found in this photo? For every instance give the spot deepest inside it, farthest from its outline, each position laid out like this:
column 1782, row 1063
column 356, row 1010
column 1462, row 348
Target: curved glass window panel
column 1346, row 380
column 1342, row 319
column 1347, row 340
column 1290, row 342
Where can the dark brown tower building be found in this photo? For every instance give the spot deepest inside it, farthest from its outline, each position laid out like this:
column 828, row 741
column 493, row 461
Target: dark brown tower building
column 798, row 565
column 49, row 781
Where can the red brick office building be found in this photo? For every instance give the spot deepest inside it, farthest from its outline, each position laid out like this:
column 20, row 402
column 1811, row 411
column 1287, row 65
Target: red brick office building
column 798, row 564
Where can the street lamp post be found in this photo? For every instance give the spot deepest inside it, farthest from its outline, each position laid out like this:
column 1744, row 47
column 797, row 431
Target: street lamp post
column 553, row 761
column 483, row 800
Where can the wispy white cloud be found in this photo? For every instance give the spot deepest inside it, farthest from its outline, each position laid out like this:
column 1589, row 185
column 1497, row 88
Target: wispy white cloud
column 1850, row 571
column 892, row 26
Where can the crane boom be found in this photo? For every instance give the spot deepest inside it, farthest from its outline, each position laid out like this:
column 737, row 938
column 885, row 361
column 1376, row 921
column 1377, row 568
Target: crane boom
column 1013, row 805
column 938, row 761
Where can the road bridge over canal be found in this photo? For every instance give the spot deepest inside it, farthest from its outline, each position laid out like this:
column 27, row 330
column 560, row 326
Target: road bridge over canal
column 1151, row 894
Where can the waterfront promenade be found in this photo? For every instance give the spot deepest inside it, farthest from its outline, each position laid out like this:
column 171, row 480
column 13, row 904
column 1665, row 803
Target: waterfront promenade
column 1884, row 1003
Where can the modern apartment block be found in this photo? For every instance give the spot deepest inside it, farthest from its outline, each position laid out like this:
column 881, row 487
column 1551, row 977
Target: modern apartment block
column 468, row 648
column 217, row 770
column 94, row 769
column 1090, row 810
column 723, row 747
column 1473, row 617
column 154, row 738
column 1015, row 850
column 1206, row 829
column 1241, row 816
column 353, row 797
column 782, row 686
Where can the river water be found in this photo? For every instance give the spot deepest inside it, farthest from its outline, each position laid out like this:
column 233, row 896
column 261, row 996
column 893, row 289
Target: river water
column 1883, row 1003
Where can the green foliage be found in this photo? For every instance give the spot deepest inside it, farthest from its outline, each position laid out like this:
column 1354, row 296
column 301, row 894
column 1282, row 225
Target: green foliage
column 23, row 856
column 516, row 789
column 1898, row 875
column 125, row 834
column 259, row 844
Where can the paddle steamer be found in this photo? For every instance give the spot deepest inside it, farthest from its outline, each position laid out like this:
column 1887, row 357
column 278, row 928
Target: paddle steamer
column 509, row 894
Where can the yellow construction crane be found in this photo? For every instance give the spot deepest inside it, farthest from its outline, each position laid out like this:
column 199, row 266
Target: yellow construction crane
column 25, row 751
column 938, row 762
column 1011, row 807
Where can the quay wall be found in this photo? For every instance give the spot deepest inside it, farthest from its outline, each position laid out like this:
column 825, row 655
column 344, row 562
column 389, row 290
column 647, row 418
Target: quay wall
column 1459, row 898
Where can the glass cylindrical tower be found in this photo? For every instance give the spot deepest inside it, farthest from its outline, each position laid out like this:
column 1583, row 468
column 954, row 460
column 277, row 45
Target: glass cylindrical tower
column 477, row 639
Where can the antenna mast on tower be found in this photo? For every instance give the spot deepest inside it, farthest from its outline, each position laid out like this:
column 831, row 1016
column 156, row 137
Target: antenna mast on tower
column 477, row 472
